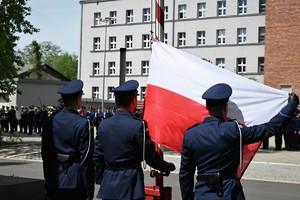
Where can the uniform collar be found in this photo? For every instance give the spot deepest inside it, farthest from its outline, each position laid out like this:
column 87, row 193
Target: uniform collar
column 213, row 118
column 123, row 112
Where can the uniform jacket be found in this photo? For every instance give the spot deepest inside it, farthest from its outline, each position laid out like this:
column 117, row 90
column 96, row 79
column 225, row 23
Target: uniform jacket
column 119, row 143
column 67, row 132
column 213, row 146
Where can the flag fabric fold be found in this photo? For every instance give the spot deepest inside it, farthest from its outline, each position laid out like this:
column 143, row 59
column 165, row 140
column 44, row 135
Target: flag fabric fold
column 173, row 100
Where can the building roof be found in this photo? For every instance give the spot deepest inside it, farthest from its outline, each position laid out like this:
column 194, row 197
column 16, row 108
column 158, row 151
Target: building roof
column 48, row 73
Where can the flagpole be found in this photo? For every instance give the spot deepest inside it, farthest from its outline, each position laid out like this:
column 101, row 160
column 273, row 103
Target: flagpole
column 158, row 191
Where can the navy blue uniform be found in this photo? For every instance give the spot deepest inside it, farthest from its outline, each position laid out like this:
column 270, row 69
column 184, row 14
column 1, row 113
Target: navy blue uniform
column 68, row 133
column 118, row 156
column 213, row 146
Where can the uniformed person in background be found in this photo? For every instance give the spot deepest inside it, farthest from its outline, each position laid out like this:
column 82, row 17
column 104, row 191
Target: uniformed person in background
column 119, row 149
column 67, row 149
column 213, row 147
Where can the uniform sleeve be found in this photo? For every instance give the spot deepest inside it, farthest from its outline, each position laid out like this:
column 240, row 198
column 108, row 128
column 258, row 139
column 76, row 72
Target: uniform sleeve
column 86, row 149
column 187, row 171
column 98, row 158
column 260, row 132
column 47, row 148
column 153, row 159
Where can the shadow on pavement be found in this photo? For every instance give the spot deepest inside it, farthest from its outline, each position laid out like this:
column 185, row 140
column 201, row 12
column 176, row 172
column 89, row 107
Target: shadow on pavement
column 15, row 188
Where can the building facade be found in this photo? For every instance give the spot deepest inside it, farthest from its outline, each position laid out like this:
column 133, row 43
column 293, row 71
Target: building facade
column 282, row 45
column 230, row 34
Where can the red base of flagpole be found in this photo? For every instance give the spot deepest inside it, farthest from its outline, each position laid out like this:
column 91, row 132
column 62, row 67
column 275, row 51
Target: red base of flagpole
column 158, row 191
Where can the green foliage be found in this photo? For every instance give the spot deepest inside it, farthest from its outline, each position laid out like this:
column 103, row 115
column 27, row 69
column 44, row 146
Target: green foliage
column 46, row 49
column 51, row 55
column 12, row 22
column 36, row 60
column 65, row 64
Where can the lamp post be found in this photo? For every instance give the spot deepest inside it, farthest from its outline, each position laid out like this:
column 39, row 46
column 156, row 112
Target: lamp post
column 106, row 20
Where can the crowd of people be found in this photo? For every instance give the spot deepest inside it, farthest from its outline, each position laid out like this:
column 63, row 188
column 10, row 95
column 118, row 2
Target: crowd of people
column 30, row 119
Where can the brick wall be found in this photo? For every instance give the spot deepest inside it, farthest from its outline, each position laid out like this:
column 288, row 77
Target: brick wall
column 282, row 44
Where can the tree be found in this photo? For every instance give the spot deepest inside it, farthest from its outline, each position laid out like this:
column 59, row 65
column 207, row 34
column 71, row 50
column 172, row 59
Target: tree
column 51, row 55
column 12, row 22
column 47, row 50
column 65, row 64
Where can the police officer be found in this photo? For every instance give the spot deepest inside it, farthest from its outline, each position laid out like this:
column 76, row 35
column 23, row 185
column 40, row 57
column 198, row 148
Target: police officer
column 119, row 149
column 213, row 147
column 67, row 149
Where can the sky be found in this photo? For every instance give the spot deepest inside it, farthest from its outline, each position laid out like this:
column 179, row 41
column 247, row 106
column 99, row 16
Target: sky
column 58, row 21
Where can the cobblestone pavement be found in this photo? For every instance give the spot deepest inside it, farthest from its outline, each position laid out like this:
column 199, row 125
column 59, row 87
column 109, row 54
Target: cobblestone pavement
column 267, row 165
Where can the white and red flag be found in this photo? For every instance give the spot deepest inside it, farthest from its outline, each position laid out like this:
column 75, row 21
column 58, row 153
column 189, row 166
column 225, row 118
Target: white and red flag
column 173, row 101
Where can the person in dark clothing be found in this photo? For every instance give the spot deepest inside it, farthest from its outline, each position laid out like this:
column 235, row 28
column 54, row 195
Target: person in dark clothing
column 119, row 149
column 67, row 149
column 12, row 120
column 213, row 147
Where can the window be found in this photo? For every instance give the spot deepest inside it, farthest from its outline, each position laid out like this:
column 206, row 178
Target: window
column 96, row 69
column 95, row 91
column 201, row 9
column 262, row 6
column 97, row 43
column 112, row 43
column 261, row 65
column 143, row 93
column 129, row 16
column 200, row 38
column 242, row 35
column 129, row 41
column 145, row 67
column 113, row 17
column 261, row 34
column 146, row 15
column 166, row 38
column 128, row 68
column 146, row 41
column 111, row 95
column 220, row 62
column 112, row 68
column 241, row 65
column 166, row 12
column 181, row 39
column 287, row 88
column 221, row 8
column 97, row 19
column 221, row 36
column 182, row 11
column 242, row 7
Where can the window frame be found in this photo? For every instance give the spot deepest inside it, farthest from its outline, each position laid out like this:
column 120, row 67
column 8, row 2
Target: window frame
column 242, row 7
column 241, row 66
column 220, row 62
column 146, row 15
column 145, row 67
column 95, row 92
column 221, row 8
column 129, row 16
column 112, row 43
column 201, row 10
column 201, row 38
column 113, row 17
column 182, row 11
column 221, row 38
column 128, row 68
column 112, row 68
column 97, row 19
column 242, row 35
column 96, row 69
column 129, row 41
column 181, row 39
column 97, row 44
